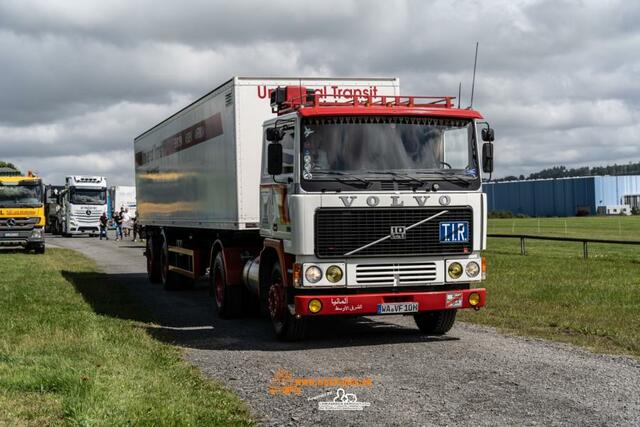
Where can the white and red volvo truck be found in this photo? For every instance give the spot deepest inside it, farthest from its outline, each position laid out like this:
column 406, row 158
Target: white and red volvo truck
column 308, row 197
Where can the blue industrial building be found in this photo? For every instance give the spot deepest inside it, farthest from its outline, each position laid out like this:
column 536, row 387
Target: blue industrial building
column 561, row 197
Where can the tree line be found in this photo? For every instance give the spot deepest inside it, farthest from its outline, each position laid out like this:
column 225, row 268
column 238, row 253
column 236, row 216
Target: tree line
column 564, row 172
column 8, row 165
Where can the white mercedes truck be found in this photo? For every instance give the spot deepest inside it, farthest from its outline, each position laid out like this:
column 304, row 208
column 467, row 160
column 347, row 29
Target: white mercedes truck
column 309, row 197
column 82, row 202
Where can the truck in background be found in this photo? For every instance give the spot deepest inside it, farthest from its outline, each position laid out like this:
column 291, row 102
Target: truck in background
column 52, row 206
column 22, row 217
column 318, row 197
column 82, row 202
column 121, row 196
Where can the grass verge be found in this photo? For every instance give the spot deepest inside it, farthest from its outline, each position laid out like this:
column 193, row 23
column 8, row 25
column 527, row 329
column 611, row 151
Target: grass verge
column 553, row 293
column 61, row 363
column 612, row 227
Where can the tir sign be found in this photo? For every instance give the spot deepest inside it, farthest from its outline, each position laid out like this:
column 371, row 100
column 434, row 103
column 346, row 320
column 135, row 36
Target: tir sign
column 454, row 232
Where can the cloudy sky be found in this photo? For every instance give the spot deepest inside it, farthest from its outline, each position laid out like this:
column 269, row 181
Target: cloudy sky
column 559, row 80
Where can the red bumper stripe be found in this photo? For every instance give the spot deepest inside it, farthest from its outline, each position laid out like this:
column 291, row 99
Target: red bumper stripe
column 368, row 303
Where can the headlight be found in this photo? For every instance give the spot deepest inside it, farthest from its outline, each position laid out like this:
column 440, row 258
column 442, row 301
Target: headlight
column 455, row 270
column 37, row 232
column 334, row 274
column 313, row 274
column 473, row 269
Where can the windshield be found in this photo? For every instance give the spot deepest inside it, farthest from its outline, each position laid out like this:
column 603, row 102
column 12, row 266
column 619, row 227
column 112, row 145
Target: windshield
column 88, row 196
column 21, row 195
column 378, row 145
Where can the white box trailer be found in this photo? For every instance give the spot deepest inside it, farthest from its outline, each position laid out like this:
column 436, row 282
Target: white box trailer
column 122, row 196
column 200, row 168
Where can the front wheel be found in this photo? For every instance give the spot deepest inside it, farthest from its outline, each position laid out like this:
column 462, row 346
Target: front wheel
column 435, row 322
column 39, row 249
column 285, row 325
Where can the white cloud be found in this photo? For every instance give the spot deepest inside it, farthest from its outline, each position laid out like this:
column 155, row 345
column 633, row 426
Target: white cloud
column 557, row 79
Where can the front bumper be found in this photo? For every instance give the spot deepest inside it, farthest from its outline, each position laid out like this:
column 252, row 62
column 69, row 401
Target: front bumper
column 84, row 230
column 20, row 237
column 366, row 304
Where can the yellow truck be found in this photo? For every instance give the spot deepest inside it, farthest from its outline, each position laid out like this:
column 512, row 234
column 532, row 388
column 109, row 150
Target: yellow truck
column 21, row 210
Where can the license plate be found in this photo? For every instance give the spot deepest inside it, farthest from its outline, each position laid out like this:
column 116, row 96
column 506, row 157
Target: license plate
column 11, row 234
column 397, row 307
column 454, row 232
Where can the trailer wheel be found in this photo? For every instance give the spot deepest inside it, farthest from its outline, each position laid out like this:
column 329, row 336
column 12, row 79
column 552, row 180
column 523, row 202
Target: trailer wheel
column 169, row 279
column 435, row 322
column 285, row 325
column 228, row 299
column 153, row 261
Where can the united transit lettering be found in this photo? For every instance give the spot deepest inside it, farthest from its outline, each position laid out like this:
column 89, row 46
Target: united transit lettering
column 337, row 91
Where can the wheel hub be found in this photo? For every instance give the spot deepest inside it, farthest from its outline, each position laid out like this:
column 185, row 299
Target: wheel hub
column 219, row 288
column 275, row 301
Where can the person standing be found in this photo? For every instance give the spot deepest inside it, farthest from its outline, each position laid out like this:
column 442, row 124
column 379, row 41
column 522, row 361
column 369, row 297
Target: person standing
column 126, row 222
column 135, row 225
column 103, row 226
column 117, row 220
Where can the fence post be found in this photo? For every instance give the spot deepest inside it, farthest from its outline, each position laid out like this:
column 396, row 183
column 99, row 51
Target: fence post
column 522, row 247
column 585, row 251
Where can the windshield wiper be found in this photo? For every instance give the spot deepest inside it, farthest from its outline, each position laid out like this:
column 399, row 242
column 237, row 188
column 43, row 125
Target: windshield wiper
column 26, row 205
column 401, row 175
column 345, row 174
column 448, row 176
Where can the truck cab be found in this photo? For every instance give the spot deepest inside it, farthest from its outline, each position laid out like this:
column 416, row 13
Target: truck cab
column 22, row 218
column 377, row 204
column 83, row 201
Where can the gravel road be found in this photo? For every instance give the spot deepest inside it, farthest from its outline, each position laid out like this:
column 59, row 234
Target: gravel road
column 473, row 376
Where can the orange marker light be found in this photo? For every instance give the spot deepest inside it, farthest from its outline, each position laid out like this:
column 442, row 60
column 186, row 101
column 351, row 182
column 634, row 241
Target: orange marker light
column 297, row 274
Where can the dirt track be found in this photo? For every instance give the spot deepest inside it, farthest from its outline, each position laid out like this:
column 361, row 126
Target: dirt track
column 474, row 376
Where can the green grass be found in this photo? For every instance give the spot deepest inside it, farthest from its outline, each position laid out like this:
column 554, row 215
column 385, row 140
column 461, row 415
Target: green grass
column 616, row 227
column 552, row 292
column 62, row 363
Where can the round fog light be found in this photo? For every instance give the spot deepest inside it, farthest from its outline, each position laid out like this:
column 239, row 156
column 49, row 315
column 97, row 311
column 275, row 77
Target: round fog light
column 315, row 305
column 313, row 274
column 473, row 269
column 455, row 270
column 334, row 274
column 474, row 299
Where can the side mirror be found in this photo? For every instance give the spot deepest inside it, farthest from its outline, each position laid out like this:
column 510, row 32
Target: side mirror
column 274, row 159
column 487, row 156
column 274, row 134
column 488, row 135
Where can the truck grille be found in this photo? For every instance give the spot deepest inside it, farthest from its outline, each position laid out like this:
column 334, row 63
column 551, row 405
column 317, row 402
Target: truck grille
column 339, row 231
column 20, row 223
column 396, row 274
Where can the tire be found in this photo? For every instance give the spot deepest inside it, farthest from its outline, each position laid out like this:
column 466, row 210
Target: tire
column 39, row 249
column 153, row 261
column 435, row 322
column 169, row 279
column 285, row 325
column 227, row 299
